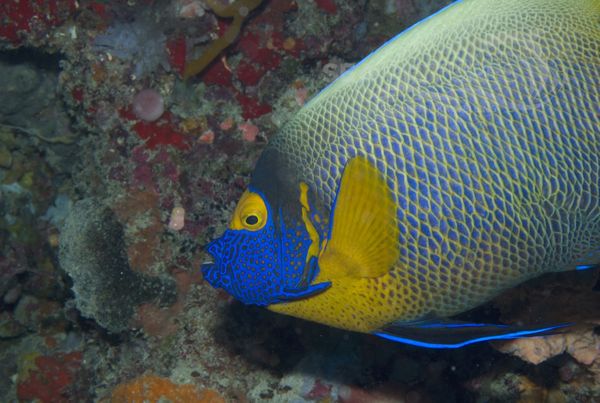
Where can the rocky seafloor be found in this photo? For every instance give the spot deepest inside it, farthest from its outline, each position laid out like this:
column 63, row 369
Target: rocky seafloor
column 118, row 162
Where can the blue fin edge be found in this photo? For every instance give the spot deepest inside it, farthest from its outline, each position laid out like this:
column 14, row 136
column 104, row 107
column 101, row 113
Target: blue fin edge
column 502, row 335
column 416, row 24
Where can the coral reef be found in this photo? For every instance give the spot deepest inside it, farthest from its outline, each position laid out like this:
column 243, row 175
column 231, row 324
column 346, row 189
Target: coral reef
column 92, row 252
column 29, row 101
column 237, row 11
column 28, row 21
column 564, row 299
column 105, row 208
column 140, row 41
column 516, row 387
column 581, row 343
column 49, row 379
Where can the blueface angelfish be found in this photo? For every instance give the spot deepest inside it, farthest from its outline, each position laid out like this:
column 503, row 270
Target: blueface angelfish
column 458, row 160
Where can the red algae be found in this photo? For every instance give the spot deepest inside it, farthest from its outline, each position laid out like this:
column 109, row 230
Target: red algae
column 252, row 107
column 161, row 132
column 176, row 51
column 249, row 73
column 23, row 16
column 51, row 378
column 217, row 74
column 328, row 6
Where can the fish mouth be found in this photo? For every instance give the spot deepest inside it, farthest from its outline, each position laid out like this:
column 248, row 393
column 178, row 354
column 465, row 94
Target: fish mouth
column 210, row 257
column 206, row 267
column 214, row 272
column 214, row 268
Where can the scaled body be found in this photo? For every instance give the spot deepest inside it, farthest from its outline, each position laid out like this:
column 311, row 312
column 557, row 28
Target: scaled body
column 484, row 122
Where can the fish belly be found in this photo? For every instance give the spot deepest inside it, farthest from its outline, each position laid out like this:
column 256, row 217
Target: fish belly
column 485, row 122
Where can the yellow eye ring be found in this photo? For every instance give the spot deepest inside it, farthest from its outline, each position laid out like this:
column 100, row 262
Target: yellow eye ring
column 250, row 213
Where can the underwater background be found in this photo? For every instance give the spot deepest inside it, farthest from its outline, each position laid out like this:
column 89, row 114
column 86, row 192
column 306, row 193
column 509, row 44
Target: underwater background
column 128, row 131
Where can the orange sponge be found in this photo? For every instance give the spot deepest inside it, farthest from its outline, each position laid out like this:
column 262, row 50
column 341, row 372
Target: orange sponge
column 151, row 388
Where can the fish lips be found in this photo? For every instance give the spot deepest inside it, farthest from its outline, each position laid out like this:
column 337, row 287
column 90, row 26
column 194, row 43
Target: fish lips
column 216, row 275
column 214, row 271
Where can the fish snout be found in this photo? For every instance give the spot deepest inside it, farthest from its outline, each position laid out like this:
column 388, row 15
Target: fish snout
column 215, row 274
column 213, row 269
column 207, row 268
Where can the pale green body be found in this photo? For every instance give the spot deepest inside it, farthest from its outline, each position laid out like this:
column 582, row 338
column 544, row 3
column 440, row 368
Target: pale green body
column 485, row 122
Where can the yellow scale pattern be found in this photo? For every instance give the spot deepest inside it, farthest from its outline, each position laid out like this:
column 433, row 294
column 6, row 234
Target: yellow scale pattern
column 484, row 121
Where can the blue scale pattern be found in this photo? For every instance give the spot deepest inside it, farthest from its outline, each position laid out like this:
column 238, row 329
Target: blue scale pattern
column 493, row 158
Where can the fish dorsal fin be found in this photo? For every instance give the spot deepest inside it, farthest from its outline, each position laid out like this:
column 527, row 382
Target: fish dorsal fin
column 363, row 236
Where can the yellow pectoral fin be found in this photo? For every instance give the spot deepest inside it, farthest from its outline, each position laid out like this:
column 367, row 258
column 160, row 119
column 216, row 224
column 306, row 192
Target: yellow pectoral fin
column 364, row 231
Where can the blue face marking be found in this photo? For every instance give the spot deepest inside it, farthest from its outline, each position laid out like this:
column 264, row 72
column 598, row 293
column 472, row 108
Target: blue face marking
column 263, row 267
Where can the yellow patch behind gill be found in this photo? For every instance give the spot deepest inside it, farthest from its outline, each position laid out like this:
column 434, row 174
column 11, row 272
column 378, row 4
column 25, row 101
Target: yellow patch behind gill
column 357, row 259
column 313, row 249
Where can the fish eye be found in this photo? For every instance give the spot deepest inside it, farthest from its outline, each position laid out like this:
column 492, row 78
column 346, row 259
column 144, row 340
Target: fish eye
column 251, row 219
column 250, row 213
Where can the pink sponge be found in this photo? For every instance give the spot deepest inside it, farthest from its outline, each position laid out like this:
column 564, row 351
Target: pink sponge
column 148, row 105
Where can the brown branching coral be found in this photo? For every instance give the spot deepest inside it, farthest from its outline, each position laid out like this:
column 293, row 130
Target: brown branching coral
column 238, row 10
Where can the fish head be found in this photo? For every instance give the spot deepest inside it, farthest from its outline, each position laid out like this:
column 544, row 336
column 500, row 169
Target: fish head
column 262, row 258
